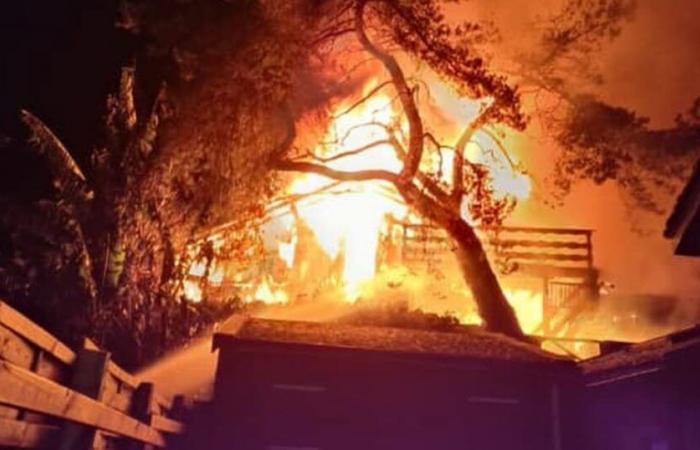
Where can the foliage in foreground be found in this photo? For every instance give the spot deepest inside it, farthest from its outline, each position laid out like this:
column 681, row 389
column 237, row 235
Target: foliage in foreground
column 104, row 252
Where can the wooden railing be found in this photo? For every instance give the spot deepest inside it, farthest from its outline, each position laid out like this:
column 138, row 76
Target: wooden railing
column 53, row 397
column 541, row 252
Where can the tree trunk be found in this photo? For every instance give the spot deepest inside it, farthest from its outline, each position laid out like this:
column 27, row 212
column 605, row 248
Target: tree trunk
column 493, row 306
column 494, row 309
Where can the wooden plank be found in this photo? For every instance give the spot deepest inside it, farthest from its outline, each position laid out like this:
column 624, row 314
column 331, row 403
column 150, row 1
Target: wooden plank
column 16, row 349
column 113, row 368
column 90, row 344
column 538, row 230
column 35, row 334
column 142, row 407
column 165, row 403
column 544, row 256
column 120, row 389
column 123, row 376
column 116, row 394
column 542, row 270
column 18, row 434
column 89, row 373
column 166, row 425
column 8, row 412
column 26, row 390
column 99, row 442
column 53, row 369
column 27, row 416
column 538, row 244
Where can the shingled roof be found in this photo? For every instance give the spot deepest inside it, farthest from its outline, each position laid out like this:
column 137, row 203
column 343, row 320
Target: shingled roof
column 466, row 343
column 652, row 352
column 684, row 222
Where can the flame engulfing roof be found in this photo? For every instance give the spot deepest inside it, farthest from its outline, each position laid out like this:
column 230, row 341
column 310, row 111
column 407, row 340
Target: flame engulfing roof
column 468, row 342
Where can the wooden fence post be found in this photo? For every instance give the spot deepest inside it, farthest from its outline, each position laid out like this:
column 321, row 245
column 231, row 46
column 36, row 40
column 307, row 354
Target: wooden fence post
column 89, row 373
column 141, row 409
column 179, row 409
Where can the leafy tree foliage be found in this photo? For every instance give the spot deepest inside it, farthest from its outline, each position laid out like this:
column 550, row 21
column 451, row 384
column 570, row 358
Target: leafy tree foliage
column 603, row 143
column 599, row 141
column 106, row 251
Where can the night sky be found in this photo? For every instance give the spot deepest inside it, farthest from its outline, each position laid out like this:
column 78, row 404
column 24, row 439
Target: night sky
column 59, row 59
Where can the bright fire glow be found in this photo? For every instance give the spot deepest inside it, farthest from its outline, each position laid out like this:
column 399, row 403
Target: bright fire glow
column 192, row 289
column 347, row 221
column 528, row 307
column 526, row 303
column 351, row 221
column 265, row 293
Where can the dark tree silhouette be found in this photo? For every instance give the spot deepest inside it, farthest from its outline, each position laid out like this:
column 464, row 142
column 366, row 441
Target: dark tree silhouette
column 599, row 141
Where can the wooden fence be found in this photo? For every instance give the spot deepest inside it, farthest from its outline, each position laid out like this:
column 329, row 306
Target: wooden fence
column 57, row 398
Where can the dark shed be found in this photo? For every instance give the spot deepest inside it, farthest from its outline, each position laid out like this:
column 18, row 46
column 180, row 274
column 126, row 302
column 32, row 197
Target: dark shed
column 299, row 385
column 643, row 397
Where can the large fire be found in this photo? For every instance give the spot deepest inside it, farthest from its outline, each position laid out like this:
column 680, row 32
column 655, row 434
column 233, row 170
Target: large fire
column 349, row 221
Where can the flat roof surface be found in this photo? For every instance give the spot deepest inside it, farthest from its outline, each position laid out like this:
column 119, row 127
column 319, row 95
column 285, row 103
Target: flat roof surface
column 468, row 342
column 635, row 355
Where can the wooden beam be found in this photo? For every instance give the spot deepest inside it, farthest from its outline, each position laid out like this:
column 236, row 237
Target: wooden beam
column 544, row 256
column 113, row 368
column 17, row 434
column 32, row 332
column 543, row 270
column 166, row 425
column 537, row 230
column 539, row 244
column 163, row 401
column 122, row 375
column 26, row 390
column 181, row 405
column 142, row 406
column 89, row 373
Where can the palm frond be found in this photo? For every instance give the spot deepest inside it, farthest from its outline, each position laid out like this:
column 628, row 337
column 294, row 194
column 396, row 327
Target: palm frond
column 69, row 179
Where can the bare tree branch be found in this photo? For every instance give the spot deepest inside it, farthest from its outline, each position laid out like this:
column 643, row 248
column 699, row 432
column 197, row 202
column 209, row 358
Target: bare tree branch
column 345, row 154
column 127, row 110
column 340, row 175
column 369, row 95
column 354, row 128
column 149, row 133
column 458, row 158
column 415, row 123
